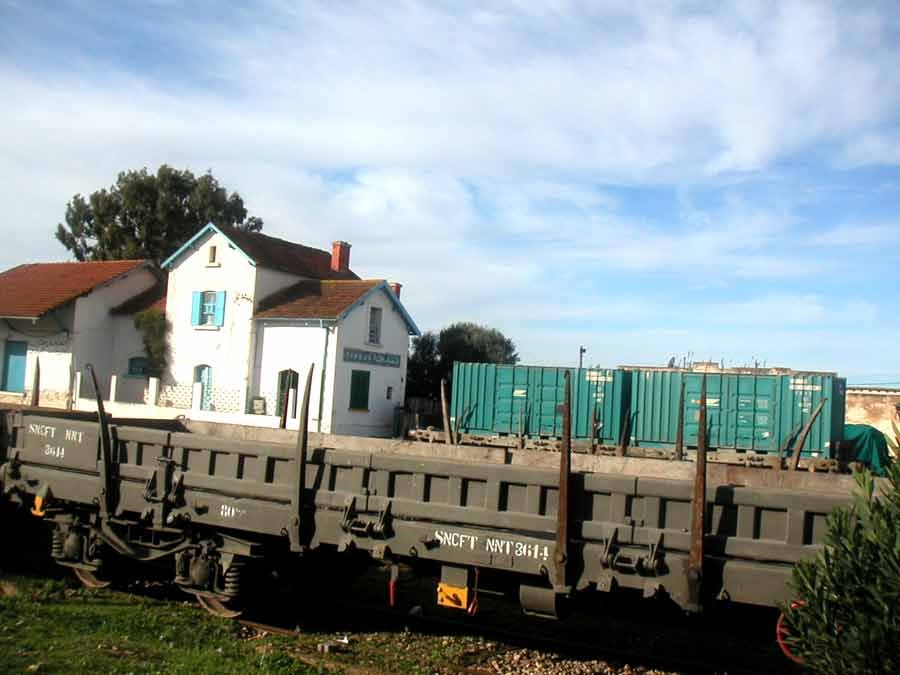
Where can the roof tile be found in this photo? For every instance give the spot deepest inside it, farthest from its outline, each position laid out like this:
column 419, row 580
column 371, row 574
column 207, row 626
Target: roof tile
column 285, row 256
column 314, row 299
column 32, row 290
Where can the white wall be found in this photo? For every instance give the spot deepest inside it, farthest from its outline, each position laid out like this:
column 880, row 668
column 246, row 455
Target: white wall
column 287, row 344
column 227, row 348
column 127, row 344
column 354, row 333
column 268, row 281
column 49, row 340
column 93, row 335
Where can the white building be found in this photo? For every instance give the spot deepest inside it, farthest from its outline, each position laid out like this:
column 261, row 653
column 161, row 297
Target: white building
column 59, row 314
column 249, row 313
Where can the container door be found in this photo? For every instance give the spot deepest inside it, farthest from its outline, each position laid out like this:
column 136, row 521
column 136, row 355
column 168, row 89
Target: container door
column 715, row 430
column 504, row 401
column 551, row 393
column 754, row 401
column 14, row 358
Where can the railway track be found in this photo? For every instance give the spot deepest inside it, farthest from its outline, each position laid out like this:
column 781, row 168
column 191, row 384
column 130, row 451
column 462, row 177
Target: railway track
column 654, row 639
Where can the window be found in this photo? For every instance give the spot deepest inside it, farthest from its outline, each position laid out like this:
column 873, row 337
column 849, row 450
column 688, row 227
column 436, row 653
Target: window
column 138, row 366
column 208, row 308
column 212, row 255
column 359, row 390
column 375, row 325
column 389, row 394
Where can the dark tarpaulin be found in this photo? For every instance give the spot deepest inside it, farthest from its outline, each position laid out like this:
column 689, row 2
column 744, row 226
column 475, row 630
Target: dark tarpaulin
column 869, row 447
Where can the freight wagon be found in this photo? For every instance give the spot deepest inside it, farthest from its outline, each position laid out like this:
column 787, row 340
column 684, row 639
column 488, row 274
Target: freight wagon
column 224, row 505
column 639, row 410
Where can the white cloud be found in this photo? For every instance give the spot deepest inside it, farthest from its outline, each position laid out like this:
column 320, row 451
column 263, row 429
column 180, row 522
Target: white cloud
column 477, row 153
column 859, row 234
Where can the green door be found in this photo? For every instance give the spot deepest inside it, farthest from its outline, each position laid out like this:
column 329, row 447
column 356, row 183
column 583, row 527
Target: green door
column 14, row 357
column 287, row 380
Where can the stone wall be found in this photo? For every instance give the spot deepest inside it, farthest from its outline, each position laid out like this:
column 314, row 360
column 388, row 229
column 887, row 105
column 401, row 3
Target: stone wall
column 875, row 406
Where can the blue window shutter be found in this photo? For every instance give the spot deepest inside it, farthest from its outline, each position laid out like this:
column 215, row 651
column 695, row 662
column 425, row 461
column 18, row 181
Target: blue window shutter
column 220, row 308
column 195, row 308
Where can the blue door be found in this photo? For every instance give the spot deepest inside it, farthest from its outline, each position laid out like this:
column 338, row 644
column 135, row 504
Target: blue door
column 14, row 366
column 203, row 375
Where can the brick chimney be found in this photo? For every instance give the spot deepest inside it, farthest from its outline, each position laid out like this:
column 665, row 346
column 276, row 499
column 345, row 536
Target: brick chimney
column 340, row 256
column 395, row 286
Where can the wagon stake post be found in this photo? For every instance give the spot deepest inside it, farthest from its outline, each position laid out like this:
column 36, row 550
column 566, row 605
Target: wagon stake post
column 105, row 449
column 448, row 434
column 561, row 554
column 294, row 531
column 698, row 512
column 801, row 440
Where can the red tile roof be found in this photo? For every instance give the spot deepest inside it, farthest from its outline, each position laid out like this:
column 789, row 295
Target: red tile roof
column 314, row 299
column 29, row 291
column 285, row 256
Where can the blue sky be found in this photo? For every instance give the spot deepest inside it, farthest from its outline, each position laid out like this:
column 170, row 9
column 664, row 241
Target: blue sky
column 647, row 179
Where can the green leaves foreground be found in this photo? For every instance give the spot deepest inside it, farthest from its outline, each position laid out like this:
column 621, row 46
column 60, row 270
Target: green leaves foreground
column 847, row 619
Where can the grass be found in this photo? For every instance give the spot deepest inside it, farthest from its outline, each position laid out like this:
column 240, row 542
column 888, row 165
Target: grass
column 53, row 626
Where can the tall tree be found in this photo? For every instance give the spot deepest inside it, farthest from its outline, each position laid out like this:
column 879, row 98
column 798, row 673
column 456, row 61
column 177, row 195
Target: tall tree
column 148, row 215
column 433, row 355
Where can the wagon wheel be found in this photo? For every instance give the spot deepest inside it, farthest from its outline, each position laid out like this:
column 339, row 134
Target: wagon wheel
column 781, row 632
column 89, row 580
column 215, row 606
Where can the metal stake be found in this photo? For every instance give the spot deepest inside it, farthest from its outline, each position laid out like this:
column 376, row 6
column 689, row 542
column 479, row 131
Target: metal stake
column 302, row 443
column 698, row 512
column 561, row 554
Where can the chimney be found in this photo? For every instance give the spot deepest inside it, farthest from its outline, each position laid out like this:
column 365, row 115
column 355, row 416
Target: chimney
column 340, row 256
column 395, row 286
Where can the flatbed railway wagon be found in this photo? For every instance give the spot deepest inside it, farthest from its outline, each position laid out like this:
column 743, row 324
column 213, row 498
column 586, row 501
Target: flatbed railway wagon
column 216, row 503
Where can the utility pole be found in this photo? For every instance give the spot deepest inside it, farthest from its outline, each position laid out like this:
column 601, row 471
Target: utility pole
column 581, row 351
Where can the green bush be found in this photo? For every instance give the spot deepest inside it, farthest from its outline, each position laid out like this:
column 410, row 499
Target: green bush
column 154, row 328
column 847, row 617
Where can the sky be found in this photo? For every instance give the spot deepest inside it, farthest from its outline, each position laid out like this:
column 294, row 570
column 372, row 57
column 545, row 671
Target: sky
column 710, row 181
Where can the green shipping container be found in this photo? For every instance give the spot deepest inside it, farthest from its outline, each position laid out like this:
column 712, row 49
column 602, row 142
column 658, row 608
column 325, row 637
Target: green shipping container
column 745, row 411
column 489, row 399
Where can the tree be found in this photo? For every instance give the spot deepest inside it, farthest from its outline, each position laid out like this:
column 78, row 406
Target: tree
column 148, row 215
column 845, row 618
column 433, row 355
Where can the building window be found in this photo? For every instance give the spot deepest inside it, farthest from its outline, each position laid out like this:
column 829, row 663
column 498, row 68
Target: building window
column 212, row 255
column 138, row 366
column 375, row 325
column 389, row 394
column 359, row 390
column 208, row 308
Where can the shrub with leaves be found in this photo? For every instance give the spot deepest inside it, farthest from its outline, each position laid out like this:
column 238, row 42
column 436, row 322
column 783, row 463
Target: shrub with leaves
column 153, row 327
column 846, row 620
column 894, row 443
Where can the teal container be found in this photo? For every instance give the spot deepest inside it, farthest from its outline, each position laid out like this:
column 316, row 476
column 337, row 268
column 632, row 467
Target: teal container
column 489, row 399
column 745, row 411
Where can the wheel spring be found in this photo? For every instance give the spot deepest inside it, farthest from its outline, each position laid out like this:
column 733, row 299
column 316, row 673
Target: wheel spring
column 56, row 544
column 233, row 578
